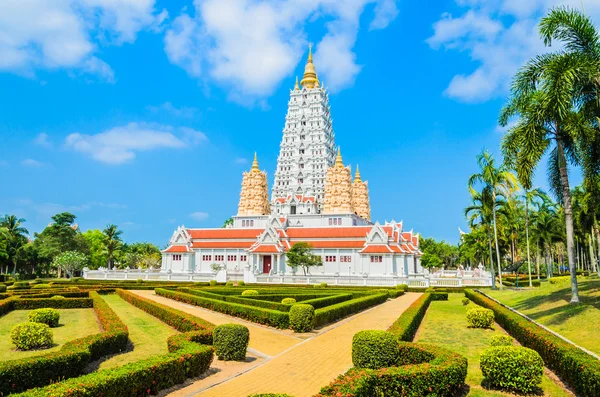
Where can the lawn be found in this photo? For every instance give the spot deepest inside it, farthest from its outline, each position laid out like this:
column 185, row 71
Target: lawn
column 549, row 305
column 74, row 323
column 147, row 333
column 445, row 324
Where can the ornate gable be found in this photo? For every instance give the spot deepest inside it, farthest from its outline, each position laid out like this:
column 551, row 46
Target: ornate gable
column 377, row 235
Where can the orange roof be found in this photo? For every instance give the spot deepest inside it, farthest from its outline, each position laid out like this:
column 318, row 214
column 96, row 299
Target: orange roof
column 327, row 232
column 224, row 233
column 222, row 244
column 377, row 249
column 335, row 244
column 406, row 236
column 268, row 248
column 397, row 249
column 406, row 248
column 177, row 248
column 415, row 240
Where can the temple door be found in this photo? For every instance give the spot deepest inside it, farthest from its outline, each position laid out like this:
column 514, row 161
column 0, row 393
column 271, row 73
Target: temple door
column 267, row 264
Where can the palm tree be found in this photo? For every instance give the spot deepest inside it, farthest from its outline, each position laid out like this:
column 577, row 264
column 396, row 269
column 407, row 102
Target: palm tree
column 530, row 195
column 495, row 181
column 112, row 239
column 16, row 236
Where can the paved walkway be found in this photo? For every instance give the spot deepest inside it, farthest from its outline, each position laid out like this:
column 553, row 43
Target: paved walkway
column 306, row 365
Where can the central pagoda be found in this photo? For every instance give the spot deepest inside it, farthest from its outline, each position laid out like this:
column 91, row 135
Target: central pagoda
column 307, row 148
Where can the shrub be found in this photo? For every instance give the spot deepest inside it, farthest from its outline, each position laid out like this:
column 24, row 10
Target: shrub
column 301, row 317
column 229, row 284
column 19, row 285
column 139, row 281
column 323, row 285
column 501, row 340
column 479, row 317
column 249, row 292
column 241, row 283
column 374, row 349
column 576, row 368
column 289, row 301
column 213, row 283
column 466, row 301
column 430, row 289
column 406, row 326
column 231, row 341
column 513, row 368
column 36, row 281
column 27, row 336
column 57, row 297
column 403, row 287
column 40, row 286
column 37, row 303
column 2, row 288
column 76, row 279
column 319, row 302
column 46, row 316
column 335, row 312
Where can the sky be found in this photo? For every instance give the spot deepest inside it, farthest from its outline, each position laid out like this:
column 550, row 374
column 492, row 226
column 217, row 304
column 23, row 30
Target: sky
column 145, row 113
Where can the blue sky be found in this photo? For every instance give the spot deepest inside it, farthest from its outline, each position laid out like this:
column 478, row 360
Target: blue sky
column 144, row 113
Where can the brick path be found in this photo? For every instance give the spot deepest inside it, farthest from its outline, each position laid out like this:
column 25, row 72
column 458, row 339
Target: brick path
column 305, row 366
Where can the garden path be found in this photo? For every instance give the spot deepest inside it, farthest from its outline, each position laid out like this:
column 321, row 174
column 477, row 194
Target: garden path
column 303, row 367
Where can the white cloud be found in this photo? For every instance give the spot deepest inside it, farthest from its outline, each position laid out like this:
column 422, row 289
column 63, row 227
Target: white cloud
column 60, row 33
column 42, row 140
column 120, row 144
column 240, row 160
column 499, row 37
column 199, row 215
column 250, row 46
column 32, row 163
column 168, row 107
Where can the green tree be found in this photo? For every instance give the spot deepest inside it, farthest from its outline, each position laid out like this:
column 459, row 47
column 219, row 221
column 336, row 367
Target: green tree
column 98, row 252
column 14, row 235
column 60, row 236
column 112, row 240
column 228, row 223
column 300, row 255
column 479, row 215
column 70, row 262
column 495, row 181
column 430, row 261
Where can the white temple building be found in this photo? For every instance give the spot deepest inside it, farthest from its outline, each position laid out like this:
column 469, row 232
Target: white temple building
column 314, row 199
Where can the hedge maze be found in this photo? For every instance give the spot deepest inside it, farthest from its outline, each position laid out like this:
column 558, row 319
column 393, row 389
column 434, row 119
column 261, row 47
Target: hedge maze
column 272, row 306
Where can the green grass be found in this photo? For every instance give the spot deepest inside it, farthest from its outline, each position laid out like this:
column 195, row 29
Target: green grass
column 445, row 324
column 74, row 323
column 147, row 333
column 549, row 305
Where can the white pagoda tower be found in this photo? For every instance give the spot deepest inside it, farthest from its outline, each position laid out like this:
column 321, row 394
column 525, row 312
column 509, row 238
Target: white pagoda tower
column 307, row 149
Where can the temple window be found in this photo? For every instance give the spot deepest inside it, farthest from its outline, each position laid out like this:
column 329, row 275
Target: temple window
column 177, row 257
column 243, row 258
column 330, row 258
column 231, row 258
column 376, row 258
column 345, row 258
column 206, row 257
column 243, row 223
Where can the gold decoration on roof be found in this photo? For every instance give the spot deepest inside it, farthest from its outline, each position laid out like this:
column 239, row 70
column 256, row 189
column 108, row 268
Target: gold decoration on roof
column 360, row 197
column 338, row 159
column 357, row 175
column 297, row 87
column 338, row 189
column 310, row 79
column 254, row 197
column 255, row 164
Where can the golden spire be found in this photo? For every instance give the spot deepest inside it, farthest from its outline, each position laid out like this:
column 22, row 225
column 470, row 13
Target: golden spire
column 296, row 87
column 338, row 159
column 255, row 164
column 357, row 176
column 310, row 79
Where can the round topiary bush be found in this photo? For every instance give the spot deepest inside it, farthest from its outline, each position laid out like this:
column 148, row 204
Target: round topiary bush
column 288, row 301
column 213, row 283
column 58, row 297
column 479, row 317
column 403, row 287
column 250, row 292
column 374, row 349
column 40, row 286
column 465, row 301
column 49, row 317
column 513, row 368
column 501, row 340
column 241, row 283
column 301, row 317
column 231, row 341
column 139, row 281
column 27, row 336
column 229, row 284
column 2, row 288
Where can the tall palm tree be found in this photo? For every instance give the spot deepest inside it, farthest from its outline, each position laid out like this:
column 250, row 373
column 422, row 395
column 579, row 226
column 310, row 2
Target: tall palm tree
column 495, row 181
column 529, row 196
column 112, row 240
column 16, row 236
column 479, row 215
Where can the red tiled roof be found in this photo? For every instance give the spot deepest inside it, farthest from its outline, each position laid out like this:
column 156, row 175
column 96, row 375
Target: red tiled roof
column 224, row 233
column 335, row 244
column 415, row 240
column 376, row 249
column 268, row 248
column 396, row 249
column 222, row 244
column 406, row 236
column 177, row 248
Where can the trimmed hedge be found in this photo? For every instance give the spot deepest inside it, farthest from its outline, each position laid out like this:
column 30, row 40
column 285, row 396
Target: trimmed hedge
column 575, row 367
column 325, row 301
column 288, row 301
column 374, row 349
column 335, row 312
column 46, row 316
column 70, row 303
column 406, row 326
column 501, row 340
column 513, row 368
column 231, row 341
column 71, row 359
column 427, row 370
column 249, row 292
column 273, row 318
column 480, row 317
column 29, row 336
column 2, row 288
column 302, row 317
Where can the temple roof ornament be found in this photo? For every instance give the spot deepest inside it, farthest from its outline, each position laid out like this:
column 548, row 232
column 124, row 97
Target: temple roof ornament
column 296, row 87
column 357, row 175
column 310, row 79
column 254, row 197
column 360, row 197
column 338, row 160
column 255, row 164
column 338, row 188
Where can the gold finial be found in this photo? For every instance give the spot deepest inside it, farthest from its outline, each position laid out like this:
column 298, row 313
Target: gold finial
column 357, row 176
column 255, row 164
column 296, row 87
column 338, row 159
column 310, row 79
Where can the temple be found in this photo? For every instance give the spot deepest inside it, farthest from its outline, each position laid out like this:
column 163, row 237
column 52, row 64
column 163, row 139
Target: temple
column 314, row 199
